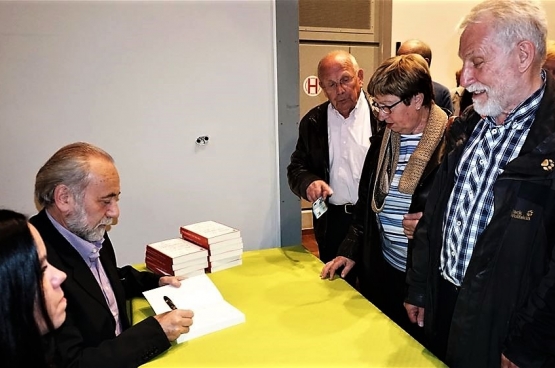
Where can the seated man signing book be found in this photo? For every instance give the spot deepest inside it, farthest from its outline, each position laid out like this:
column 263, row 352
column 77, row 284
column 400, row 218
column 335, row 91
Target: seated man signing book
column 78, row 188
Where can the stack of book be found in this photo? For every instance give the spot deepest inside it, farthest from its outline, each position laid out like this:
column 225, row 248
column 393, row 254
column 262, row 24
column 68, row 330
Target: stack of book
column 224, row 243
column 176, row 257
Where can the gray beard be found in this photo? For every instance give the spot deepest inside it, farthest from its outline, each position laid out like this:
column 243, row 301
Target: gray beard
column 77, row 224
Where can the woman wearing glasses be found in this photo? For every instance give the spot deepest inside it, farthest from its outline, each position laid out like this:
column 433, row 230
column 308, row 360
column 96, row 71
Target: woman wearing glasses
column 396, row 179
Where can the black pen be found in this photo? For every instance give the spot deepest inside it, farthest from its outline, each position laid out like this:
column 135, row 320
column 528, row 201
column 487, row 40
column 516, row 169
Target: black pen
column 169, row 303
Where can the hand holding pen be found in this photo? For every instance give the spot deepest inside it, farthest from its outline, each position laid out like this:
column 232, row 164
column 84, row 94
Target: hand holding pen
column 175, row 322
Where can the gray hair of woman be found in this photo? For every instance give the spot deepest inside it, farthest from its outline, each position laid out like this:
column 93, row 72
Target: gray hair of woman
column 403, row 76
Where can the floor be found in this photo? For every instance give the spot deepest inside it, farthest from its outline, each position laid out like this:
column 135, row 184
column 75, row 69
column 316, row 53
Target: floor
column 309, row 242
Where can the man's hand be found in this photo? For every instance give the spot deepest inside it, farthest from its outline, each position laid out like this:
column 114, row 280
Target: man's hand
column 410, row 220
column 175, row 322
column 331, row 267
column 317, row 189
column 170, row 280
column 506, row 363
column 416, row 314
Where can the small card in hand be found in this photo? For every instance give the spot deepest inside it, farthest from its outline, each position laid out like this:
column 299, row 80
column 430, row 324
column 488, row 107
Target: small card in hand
column 319, row 207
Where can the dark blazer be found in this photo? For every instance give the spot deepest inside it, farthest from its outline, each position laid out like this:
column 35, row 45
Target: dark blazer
column 87, row 337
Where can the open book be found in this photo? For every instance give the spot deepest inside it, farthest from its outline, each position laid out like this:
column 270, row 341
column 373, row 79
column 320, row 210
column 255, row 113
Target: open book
column 199, row 294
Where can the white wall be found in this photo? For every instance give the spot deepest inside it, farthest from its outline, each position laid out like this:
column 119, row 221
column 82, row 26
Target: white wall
column 436, row 23
column 143, row 80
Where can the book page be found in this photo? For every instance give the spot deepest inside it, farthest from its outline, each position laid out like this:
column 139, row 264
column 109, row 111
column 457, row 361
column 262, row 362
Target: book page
column 194, row 292
column 199, row 294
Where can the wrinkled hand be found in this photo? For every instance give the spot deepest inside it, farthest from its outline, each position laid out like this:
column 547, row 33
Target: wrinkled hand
column 317, row 189
column 331, row 267
column 506, row 363
column 416, row 314
column 410, row 220
column 170, row 280
column 175, row 322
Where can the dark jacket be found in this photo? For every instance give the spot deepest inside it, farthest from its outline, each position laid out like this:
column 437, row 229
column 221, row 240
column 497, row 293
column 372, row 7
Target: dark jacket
column 311, row 160
column 506, row 302
column 87, row 337
column 363, row 243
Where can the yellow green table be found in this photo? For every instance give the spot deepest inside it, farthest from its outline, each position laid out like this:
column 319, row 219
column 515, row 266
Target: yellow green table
column 293, row 319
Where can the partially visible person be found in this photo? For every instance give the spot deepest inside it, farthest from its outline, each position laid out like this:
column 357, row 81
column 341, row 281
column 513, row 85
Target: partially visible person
column 482, row 280
column 396, row 180
column 549, row 63
column 78, row 189
column 442, row 96
column 460, row 97
column 32, row 303
column 333, row 141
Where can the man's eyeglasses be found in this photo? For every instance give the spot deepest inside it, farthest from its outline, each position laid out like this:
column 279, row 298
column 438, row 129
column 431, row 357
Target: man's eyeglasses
column 376, row 107
column 344, row 82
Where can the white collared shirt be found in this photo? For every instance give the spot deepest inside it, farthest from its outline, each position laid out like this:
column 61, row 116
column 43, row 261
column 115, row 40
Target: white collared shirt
column 349, row 140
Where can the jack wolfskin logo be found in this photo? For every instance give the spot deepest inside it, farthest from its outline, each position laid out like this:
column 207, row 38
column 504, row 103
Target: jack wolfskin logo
column 548, row 164
column 521, row 216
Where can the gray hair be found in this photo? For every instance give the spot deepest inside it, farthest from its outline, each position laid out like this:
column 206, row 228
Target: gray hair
column 69, row 166
column 514, row 21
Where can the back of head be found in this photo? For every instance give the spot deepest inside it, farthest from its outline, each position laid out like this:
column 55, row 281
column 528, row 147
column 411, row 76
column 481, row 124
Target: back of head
column 550, row 50
column 416, row 47
column 20, row 287
column 68, row 166
column 549, row 63
column 513, row 21
column 403, row 76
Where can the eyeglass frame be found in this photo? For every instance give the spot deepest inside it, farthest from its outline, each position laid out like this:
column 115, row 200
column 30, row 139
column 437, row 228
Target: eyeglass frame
column 385, row 108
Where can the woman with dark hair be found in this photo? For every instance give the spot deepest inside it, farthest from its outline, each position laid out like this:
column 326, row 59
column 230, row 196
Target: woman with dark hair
column 396, row 178
column 32, row 303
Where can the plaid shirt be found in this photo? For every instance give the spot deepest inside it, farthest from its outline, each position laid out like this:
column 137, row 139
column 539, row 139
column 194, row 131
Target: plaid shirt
column 471, row 204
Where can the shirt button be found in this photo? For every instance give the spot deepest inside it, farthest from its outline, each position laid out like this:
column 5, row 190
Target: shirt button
column 494, row 131
column 453, row 254
column 459, row 223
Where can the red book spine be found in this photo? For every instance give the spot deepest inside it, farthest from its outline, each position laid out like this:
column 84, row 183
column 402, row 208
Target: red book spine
column 156, row 253
column 163, row 262
column 158, row 268
column 194, row 238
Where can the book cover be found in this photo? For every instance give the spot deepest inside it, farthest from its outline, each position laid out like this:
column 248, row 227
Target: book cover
column 208, row 233
column 199, row 294
column 177, row 250
column 224, row 266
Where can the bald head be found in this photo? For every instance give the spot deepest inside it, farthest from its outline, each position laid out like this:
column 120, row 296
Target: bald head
column 341, row 80
column 335, row 58
column 416, row 47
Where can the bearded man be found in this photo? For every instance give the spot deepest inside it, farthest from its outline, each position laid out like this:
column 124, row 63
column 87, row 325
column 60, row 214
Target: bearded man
column 78, row 189
column 482, row 280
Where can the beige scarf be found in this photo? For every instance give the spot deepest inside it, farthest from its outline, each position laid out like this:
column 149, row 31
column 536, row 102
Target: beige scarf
column 389, row 155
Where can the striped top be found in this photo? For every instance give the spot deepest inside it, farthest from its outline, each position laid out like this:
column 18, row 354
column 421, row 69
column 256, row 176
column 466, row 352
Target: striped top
column 390, row 220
